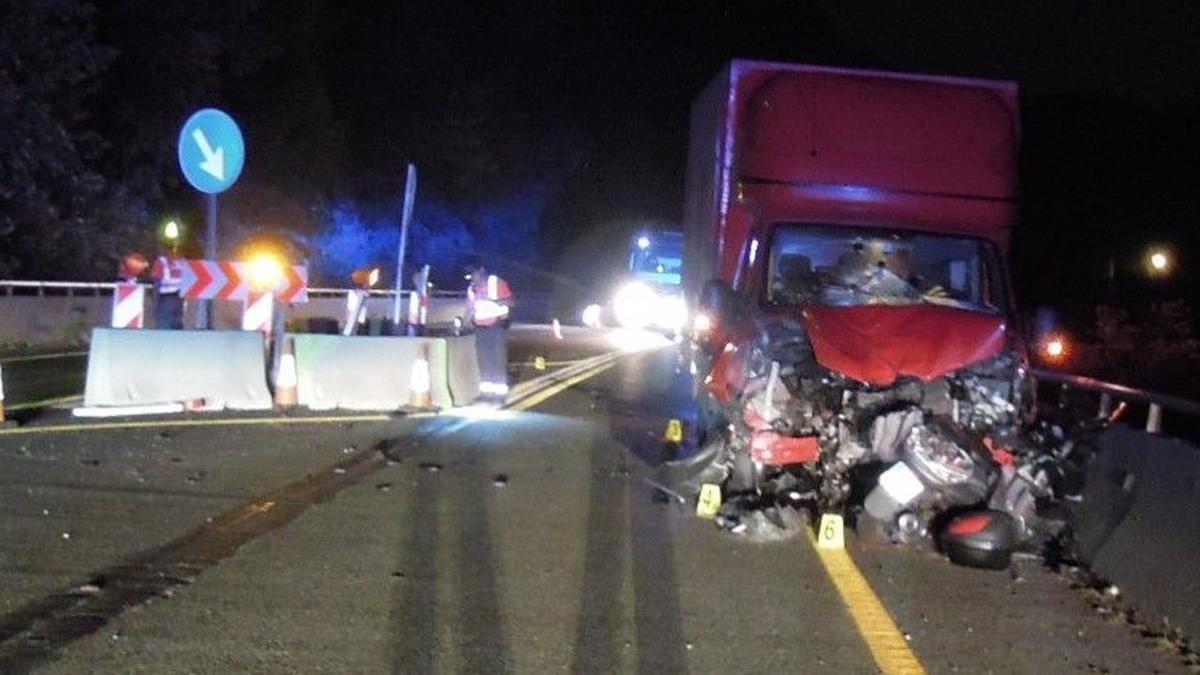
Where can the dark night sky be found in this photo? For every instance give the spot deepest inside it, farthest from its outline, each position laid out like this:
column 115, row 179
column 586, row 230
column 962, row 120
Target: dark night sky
column 1109, row 99
column 590, row 100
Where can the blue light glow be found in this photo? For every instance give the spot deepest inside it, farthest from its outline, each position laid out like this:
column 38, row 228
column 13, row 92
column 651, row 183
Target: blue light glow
column 440, row 235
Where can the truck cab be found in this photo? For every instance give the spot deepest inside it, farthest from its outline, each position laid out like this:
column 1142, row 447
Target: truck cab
column 822, row 187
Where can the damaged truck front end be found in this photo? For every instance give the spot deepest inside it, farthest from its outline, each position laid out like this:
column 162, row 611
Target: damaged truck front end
column 845, row 233
column 877, row 376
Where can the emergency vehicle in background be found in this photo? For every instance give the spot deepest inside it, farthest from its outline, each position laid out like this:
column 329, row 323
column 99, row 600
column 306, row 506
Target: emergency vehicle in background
column 845, row 243
column 650, row 293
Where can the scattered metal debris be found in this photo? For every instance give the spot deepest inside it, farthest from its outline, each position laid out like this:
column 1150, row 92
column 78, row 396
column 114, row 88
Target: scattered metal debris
column 663, row 493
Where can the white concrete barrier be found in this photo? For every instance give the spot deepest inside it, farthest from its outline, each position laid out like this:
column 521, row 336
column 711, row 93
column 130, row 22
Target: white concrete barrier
column 146, row 367
column 375, row 373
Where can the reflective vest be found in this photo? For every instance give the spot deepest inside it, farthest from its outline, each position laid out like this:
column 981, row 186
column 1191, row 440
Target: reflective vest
column 489, row 300
column 356, row 310
column 169, row 274
column 418, row 308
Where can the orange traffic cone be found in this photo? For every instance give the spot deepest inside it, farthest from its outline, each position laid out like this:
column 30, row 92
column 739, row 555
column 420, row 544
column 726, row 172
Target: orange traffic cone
column 285, row 379
column 419, row 384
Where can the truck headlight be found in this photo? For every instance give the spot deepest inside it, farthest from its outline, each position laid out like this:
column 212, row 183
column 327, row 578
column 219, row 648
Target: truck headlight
column 672, row 313
column 635, row 305
column 591, row 316
column 937, row 457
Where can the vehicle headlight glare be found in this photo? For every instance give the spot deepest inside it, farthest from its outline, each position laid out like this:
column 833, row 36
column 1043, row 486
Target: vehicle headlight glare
column 591, row 316
column 635, row 305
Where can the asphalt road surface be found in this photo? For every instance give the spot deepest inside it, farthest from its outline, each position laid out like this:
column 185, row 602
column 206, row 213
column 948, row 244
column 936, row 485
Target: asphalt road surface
column 524, row 540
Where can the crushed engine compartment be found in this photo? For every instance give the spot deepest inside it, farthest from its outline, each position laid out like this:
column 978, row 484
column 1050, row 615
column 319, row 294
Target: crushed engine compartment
column 787, row 436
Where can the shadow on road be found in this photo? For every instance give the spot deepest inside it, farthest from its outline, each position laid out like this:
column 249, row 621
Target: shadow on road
column 620, row 511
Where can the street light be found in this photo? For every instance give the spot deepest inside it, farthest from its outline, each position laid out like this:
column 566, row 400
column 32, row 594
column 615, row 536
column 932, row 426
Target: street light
column 171, row 234
column 1158, row 261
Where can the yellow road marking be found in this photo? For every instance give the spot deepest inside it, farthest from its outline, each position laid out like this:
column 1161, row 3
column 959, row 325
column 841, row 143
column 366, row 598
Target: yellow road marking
column 548, row 364
column 888, row 646
column 240, row 421
column 40, row 357
column 42, row 403
column 534, row 399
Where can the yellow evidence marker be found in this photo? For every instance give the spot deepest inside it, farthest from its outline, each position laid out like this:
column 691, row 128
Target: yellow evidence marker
column 674, row 432
column 831, row 533
column 709, row 502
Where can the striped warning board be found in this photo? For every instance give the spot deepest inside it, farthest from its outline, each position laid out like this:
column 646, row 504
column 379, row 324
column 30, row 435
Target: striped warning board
column 129, row 303
column 225, row 280
column 257, row 311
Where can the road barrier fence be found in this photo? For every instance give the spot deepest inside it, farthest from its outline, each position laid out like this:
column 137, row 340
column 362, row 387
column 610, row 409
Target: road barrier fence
column 60, row 313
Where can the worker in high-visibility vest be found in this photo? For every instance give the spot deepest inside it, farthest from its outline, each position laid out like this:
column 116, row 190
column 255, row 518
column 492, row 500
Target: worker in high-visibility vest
column 356, row 301
column 168, row 307
column 418, row 302
column 489, row 303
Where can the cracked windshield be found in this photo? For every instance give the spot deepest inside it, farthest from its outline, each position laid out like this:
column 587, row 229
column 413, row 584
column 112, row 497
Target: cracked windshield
column 834, row 265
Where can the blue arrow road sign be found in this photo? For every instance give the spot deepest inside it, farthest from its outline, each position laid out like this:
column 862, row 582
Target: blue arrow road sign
column 211, row 151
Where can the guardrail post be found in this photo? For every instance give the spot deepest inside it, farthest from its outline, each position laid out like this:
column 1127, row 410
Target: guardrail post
column 1105, row 406
column 1154, row 419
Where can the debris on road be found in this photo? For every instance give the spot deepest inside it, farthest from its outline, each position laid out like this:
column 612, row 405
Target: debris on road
column 383, row 487
column 431, row 467
column 500, row 480
column 664, row 493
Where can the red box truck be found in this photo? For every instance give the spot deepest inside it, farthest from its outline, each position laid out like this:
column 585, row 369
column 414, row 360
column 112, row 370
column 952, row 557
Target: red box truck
column 845, row 242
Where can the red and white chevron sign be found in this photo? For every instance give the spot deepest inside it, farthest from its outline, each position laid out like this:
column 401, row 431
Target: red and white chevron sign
column 224, row 280
column 129, row 301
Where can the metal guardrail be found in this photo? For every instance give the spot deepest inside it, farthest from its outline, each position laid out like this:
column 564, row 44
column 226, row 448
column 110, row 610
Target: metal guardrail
column 380, row 292
column 68, row 288
column 1109, row 392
